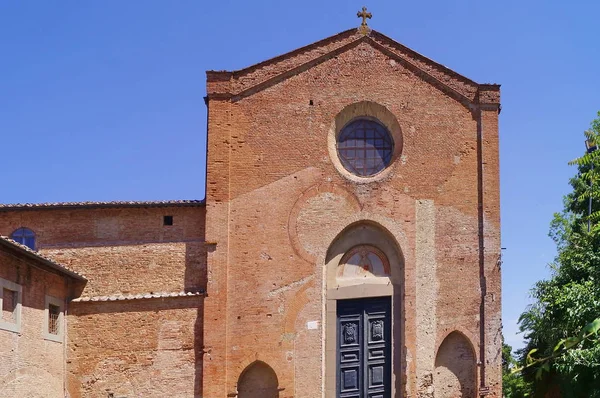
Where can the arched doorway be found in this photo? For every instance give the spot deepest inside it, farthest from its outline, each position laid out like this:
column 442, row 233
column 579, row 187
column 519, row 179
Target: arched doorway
column 258, row 380
column 364, row 322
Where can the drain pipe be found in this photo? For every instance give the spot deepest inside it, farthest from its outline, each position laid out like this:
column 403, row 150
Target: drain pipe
column 483, row 389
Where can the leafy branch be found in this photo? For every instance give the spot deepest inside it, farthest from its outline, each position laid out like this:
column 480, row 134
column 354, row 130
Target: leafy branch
column 589, row 333
column 552, row 364
column 589, row 167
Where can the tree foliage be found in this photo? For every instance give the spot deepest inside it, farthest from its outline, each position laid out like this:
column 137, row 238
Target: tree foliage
column 563, row 350
column 513, row 385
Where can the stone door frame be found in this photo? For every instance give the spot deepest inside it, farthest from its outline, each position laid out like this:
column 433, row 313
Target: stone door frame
column 345, row 293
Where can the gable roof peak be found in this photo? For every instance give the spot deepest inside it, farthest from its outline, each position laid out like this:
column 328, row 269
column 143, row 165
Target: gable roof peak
column 234, row 85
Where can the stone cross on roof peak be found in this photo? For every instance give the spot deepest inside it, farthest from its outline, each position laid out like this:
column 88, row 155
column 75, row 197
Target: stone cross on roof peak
column 364, row 15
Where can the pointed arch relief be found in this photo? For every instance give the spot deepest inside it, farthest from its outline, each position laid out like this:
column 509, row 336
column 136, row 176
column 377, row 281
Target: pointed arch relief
column 455, row 368
column 258, row 380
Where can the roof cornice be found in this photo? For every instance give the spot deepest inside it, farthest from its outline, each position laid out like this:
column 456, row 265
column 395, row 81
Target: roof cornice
column 236, row 85
column 101, row 205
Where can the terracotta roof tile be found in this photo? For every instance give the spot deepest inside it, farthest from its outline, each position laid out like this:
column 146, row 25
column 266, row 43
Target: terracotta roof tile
column 139, row 296
column 8, row 242
column 85, row 205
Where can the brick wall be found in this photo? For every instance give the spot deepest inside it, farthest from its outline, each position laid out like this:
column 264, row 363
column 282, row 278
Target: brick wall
column 126, row 250
column 30, row 364
column 276, row 201
column 136, row 348
column 272, row 179
column 57, row 227
column 142, row 347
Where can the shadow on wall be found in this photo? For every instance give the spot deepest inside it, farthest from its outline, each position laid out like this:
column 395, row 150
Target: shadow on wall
column 258, row 380
column 455, row 368
column 198, row 351
column 195, row 266
column 195, row 280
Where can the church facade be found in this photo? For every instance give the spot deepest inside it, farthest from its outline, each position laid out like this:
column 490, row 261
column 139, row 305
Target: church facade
column 348, row 245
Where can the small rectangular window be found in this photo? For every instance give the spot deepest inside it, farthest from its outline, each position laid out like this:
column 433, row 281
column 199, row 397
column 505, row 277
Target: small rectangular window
column 54, row 323
column 9, row 305
column 168, row 220
column 53, row 319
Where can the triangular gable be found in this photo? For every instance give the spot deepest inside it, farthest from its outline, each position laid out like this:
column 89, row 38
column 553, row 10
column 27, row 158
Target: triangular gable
column 242, row 83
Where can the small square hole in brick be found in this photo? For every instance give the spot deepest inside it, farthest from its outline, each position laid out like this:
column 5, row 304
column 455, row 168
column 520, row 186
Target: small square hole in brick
column 168, row 220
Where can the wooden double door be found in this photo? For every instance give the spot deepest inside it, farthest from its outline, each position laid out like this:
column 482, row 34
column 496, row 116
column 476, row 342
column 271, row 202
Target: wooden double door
column 364, row 348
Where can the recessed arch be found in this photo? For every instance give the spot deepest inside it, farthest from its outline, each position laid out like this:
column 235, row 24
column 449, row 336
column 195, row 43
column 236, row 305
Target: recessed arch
column 258, row 380
column 455, row 367
column 367, row 291
column 365, row 233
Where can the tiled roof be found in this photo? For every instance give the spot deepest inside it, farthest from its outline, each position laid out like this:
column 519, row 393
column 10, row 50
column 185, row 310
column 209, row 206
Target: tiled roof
column 139, row 296
column 90, row 205
column 8, row 242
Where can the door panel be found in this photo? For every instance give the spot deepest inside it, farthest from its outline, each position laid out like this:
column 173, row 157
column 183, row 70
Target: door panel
column 364, row 348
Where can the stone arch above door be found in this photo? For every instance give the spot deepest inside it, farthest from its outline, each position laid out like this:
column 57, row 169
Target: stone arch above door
column 455, row 368
column 365, row 234
column 258, row 380
column 364, row 243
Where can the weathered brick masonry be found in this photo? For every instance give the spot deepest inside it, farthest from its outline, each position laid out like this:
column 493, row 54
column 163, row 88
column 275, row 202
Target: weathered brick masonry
column 278, row 201
column 136, row 329
column 239, row 296
column 33, row 363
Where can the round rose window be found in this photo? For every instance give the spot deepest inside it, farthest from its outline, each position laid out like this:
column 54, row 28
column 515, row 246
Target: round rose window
column 365, row 147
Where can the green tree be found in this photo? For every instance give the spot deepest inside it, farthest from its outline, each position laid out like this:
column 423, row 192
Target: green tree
column 570, row 299
column 513, row 384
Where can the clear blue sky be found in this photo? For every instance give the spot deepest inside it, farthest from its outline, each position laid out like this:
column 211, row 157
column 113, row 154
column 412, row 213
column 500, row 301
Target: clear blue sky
column 103, row 100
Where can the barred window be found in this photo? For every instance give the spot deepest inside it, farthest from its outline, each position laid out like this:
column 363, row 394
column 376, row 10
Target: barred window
column 365, row 147
column 53, row 319
column 54, row 322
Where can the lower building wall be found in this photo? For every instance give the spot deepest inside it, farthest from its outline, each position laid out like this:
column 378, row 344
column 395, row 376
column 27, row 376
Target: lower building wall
column 136, row 348
column 30, row 364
